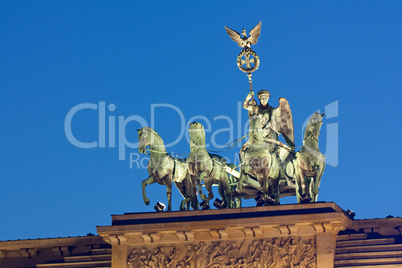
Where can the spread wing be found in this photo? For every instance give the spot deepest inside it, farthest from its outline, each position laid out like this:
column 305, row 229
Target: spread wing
column 235, row 36
column 254, row 34
column 282, row 120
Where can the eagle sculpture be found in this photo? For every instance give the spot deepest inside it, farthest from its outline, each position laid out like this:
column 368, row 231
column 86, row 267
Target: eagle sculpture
column 245, row 41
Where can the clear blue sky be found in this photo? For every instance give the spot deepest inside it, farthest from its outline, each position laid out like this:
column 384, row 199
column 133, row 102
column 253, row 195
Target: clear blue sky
column 341, row 57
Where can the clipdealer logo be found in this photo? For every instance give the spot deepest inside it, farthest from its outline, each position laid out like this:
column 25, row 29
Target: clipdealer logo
column 111, row 137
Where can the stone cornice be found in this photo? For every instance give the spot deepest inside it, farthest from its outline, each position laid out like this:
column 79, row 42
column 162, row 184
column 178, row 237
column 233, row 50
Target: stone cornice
column 47, row 242
column 242, row 223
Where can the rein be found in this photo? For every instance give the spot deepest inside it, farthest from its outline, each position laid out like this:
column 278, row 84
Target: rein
column 211, row 150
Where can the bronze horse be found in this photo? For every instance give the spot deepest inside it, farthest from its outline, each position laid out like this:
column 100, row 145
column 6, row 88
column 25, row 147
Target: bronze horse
column 310, row 162
column 164, row 169
column 208, row 168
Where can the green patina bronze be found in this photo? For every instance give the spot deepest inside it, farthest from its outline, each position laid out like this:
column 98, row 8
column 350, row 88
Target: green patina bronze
column 272, row 170
column 269, row 168
column 310, row 162
column 208, row 168
column 263, row 156
column 261, row 165
column 274, row 121
column 164, row 169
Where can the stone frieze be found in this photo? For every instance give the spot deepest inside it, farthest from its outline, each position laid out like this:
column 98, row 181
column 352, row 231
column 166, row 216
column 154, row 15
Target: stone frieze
column 275, row 252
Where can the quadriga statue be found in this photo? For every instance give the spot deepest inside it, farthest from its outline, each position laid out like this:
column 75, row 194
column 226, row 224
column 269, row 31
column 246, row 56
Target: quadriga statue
column 208, row 168
column 269, row 168
column 164, row 169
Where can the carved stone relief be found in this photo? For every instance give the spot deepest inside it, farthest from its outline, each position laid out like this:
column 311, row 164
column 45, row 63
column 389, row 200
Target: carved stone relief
column 280, row 252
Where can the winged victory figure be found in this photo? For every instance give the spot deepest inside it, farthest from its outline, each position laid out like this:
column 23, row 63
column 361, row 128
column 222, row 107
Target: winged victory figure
column 274, row 121
column 244, row 41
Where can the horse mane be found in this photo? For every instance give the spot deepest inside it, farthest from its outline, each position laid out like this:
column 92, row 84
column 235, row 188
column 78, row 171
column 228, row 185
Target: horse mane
column 149, row 129
column 316, row 117
column 310, row 139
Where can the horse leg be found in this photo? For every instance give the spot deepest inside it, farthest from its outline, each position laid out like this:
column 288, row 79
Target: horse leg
column 181, row 186
column 224, row 193
column 305, row 191
column 144, row 184
column 317, row 180
column 194, row 204
column 224, row 189
column 234, row 198
column 221, row 193
column 315, row 189
column 243, row 176
column 169, row 191
column 208, row 187
column 189, row 195
column 302, row 187
column 265, row 190
column 184, row 205
column 297, row 177
column 265, row 183
column 271, row 194
column 202, row 178
column 274, row 190
column 191, row 188
column 237, row 201
column 308, row 191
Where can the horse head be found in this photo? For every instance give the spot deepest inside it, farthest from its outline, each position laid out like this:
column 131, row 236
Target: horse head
column 143, row 139
column 149, row 137
column 313, row 126
column 197, row 134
